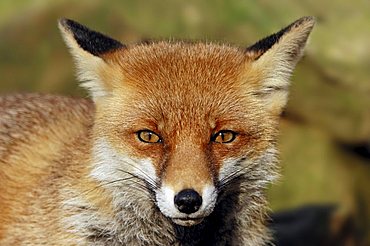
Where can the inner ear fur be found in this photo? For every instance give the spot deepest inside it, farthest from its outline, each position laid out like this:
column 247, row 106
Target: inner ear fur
column 273, row 58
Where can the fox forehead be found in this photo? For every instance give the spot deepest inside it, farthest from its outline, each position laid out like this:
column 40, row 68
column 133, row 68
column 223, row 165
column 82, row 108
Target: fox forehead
column 181, row 80
column 180, row 61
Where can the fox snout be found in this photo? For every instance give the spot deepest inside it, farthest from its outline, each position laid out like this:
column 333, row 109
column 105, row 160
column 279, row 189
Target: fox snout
column 187, row 192
column 186, row 207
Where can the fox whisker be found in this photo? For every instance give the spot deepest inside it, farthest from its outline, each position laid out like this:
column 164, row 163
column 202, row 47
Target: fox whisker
column 232, row 176
column 139, row 187
column 149, row 182
column 107, row 183
column 132, row 182
column 240, row 181
column 147, row 176
column 138, row 182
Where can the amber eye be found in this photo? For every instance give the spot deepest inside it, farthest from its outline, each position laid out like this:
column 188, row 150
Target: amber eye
column 147, row 136
column 224, row 136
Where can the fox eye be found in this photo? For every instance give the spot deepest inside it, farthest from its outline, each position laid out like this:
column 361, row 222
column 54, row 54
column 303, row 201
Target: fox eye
column 147, row 136
column 224, row 136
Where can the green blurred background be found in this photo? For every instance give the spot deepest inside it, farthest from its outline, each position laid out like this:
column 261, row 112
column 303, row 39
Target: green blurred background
column 325, row 138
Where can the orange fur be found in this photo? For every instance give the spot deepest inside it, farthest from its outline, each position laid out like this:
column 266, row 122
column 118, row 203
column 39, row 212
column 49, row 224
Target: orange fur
column 144, row 75
column 61, row 158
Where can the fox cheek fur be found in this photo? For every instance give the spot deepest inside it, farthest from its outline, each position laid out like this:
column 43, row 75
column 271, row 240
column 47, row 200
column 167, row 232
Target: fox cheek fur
column 176, row 146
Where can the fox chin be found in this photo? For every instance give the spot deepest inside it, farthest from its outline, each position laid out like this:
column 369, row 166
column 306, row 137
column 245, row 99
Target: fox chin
column 176, row 145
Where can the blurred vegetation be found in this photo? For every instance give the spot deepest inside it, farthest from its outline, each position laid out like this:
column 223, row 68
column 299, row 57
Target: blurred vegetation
column 329, row 108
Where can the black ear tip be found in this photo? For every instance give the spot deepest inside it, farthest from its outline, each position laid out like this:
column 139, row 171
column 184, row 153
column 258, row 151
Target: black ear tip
column 89, row 40
column 64, row 22
column 67, row 24
column 305, row 23
column 71, row 24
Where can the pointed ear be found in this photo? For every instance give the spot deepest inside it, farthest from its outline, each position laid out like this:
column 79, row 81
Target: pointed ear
column 88, row 49
column 274, row 58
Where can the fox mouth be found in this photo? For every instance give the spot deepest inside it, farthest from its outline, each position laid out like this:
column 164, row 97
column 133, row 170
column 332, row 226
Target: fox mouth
column 187, row 221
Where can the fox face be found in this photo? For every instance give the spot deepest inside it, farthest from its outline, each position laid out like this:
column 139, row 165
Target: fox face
column 185, row 124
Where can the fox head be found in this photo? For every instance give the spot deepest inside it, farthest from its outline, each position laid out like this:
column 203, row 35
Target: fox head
column 186, row 123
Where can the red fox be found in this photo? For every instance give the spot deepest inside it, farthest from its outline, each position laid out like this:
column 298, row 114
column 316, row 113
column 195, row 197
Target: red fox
column 176, row 146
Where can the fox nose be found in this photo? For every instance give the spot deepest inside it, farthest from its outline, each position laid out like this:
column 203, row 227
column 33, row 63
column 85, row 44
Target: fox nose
column 188, row 201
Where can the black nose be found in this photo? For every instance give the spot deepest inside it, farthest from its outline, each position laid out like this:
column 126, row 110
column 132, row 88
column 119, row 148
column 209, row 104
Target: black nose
column 188, row 201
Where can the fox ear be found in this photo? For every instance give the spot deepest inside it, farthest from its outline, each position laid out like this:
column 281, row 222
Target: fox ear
column 88, row 47
column 274, row 58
